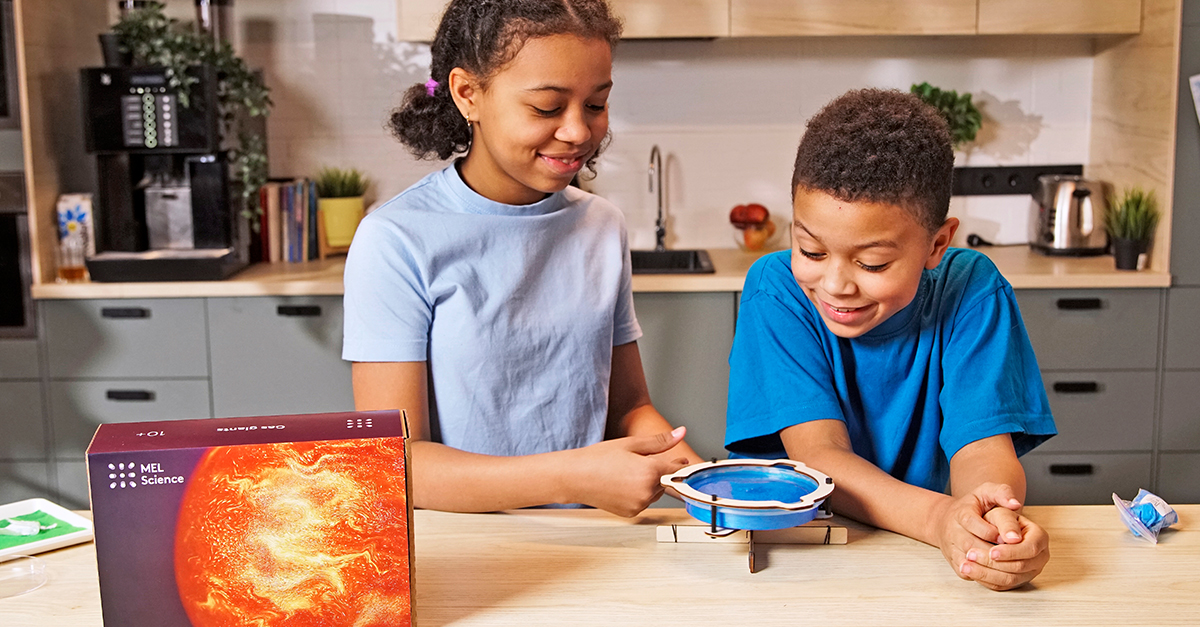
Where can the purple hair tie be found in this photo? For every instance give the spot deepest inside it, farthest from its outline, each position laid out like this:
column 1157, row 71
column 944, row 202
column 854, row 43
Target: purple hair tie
column 430, row 86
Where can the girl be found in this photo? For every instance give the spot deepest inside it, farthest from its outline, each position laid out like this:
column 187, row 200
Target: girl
column 491, row 300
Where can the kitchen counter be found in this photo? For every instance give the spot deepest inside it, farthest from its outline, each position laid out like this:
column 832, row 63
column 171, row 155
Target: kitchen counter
column 1023, row 268
column 585, row 567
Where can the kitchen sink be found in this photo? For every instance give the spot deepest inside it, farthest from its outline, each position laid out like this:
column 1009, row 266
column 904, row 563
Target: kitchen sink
column 671, row 262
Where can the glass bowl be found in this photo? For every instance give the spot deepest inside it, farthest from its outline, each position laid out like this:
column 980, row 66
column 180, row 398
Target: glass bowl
column 756, row 237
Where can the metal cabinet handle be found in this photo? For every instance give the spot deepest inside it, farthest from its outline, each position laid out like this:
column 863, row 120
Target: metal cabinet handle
column 1079, row 304
column 124, row 312
column 129, row 395
column 1076, row 387
column 309, row 311
column 1072, row 469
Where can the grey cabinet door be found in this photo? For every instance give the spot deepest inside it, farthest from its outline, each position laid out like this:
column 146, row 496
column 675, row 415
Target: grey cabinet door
column 162, row 337
column 685, row 345
column 1092, row 329
column 18, row 359
column 1084, row 478
column 1180, row 411
column 77, row 408
column 1185, row 214
column 278, row 355
column 1101, row 411
column 22, row 431
column 25, row 480
column 1183, row 328
column 1178, row 478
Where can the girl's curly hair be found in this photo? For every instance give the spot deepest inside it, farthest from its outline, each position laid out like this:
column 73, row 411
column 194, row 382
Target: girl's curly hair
column 481, row 36
column 880, row 146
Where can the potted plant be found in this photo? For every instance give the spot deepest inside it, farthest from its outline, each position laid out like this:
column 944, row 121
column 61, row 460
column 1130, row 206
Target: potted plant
column 961, row 114
column 1130, row 220
column 149, row 37
column 340, row 204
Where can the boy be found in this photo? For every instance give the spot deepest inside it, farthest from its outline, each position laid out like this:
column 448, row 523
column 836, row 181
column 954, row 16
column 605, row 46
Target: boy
column 877, row 355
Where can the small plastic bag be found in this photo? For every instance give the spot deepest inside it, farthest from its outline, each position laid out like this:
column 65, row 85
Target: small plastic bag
column 1145, row 515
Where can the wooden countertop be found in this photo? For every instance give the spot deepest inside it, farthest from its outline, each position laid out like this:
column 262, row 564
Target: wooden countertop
column 585, row 567
column 1023, row 268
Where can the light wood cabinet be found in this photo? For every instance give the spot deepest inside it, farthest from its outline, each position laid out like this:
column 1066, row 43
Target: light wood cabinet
column 644, row 19
column 766, row 18
column 673, row 18
column 1015, row 17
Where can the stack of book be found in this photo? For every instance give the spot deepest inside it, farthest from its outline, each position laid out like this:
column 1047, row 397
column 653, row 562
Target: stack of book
column 288, row 226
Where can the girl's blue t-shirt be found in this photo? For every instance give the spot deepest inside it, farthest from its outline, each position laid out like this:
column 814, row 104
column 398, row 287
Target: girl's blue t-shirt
column 953, row 367
column 515, row 308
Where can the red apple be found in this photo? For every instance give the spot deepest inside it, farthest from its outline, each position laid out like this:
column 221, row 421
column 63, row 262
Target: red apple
column 746, row 215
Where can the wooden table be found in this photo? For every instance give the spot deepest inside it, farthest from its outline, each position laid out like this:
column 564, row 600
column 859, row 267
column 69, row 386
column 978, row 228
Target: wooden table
column 547, row 567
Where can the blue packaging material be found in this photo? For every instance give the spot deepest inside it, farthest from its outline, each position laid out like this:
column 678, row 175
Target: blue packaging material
column 1145, row 515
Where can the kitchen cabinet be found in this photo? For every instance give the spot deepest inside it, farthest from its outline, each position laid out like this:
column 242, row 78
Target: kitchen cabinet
column 1178, row 477
column 22, row 427
column 147, row 338
column 19, row 359
column 1092, row 329
column 418, row 19
column 278, row 355
column 1020, row 17
column 25, row 480
column 1098, row 351
column 1084, row 479
column 773, row 18
column 686, row 338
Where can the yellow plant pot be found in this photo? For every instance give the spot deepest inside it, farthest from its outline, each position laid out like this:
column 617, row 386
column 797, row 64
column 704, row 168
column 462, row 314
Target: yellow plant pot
column 342, row 216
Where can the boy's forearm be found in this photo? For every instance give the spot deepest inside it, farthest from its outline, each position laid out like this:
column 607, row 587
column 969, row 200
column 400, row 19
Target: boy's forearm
column 867, row 494
column 990, row 460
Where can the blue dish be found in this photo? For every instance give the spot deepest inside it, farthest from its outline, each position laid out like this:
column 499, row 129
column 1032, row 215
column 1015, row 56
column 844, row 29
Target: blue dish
column 751, row 493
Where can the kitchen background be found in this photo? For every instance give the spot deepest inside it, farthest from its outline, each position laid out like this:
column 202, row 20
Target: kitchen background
column 727, row 113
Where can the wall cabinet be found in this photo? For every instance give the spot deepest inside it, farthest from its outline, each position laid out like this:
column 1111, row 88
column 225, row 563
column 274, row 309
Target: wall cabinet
column 418, row 19
column 1018, row 17
column 754, row 18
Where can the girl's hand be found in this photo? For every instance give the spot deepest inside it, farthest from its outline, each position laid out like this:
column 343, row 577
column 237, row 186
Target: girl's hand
column 968, row 529
column 621, row 476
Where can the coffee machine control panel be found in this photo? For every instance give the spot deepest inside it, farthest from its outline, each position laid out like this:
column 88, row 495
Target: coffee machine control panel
column 134, row 109
column 149, row 118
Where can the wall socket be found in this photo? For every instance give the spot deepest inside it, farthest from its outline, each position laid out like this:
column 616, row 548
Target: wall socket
column 994, row 180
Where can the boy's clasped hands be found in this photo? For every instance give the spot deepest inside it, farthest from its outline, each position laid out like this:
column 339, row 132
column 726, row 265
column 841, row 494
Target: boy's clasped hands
column 985, row 538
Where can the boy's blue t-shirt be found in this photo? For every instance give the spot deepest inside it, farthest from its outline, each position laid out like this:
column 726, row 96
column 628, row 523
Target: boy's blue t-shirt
column 953, row 367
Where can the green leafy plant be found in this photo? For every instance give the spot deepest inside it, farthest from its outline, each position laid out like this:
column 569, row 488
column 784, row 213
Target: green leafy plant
column 157, row 40
column 963, row 116
column 338, row 183
column 1132, row 215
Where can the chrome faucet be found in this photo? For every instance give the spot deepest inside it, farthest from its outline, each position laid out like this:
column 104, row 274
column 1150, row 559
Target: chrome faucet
column 656, row 182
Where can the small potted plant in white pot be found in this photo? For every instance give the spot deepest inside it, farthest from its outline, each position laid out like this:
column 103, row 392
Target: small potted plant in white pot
column 340, row 206
column 1130, row 220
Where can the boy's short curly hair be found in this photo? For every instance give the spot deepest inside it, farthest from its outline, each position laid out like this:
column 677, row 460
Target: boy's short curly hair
column 879, row 146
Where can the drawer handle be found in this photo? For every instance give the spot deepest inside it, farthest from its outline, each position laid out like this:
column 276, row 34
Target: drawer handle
column 308, row 311
column 1076, row 387
column 1071, row 469
column 129, row 395
column 1079, row 304
column 124, row 312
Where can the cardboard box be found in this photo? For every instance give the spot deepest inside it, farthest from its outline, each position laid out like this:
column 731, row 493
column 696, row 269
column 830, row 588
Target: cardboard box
column 273, row 521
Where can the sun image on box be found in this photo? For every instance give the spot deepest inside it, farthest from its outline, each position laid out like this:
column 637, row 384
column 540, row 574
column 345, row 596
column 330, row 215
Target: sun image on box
column 276, row 521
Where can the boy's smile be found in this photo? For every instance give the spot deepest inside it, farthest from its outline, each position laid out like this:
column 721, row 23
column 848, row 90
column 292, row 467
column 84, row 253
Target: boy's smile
column 860, row 262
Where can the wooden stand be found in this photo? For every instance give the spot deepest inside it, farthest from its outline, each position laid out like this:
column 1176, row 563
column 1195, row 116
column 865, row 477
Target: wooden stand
column 323, row 247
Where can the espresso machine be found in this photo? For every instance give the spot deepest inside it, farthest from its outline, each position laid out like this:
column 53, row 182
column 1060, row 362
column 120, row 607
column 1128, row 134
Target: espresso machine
column 166, row 207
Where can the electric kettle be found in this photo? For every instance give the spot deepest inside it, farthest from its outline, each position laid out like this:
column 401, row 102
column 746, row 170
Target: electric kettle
column 1068, row 215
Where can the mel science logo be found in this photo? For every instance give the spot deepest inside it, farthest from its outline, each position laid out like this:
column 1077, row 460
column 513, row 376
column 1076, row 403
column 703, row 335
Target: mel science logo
column 122, row 475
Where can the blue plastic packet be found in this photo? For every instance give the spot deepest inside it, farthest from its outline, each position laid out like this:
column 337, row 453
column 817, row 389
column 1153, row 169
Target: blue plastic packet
column 1145, row 515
